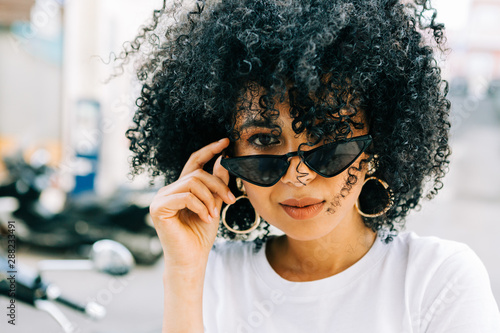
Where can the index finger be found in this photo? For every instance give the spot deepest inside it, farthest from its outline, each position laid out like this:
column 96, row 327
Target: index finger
column 198, row 159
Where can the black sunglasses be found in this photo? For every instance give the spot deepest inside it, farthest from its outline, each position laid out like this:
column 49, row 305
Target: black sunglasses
column 328, row 160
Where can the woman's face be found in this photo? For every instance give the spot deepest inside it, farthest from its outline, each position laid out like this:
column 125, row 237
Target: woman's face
column 306, row 207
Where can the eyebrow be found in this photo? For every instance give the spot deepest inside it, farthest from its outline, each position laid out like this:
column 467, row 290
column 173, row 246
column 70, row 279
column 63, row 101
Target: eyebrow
column 258, row 123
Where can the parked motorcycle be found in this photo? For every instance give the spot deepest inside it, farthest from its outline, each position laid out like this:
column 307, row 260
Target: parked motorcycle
column 83, row 219
column 20, row 283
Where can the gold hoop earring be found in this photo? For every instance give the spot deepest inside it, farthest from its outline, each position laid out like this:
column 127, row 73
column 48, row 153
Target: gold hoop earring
column 256, row 222
column 389, row 198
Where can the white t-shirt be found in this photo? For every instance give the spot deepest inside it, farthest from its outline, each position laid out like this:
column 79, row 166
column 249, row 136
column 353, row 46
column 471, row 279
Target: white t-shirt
column 411, row 285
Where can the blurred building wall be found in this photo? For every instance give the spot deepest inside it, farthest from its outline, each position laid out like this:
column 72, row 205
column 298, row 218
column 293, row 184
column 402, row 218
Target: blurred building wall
column 30, row 84
column 95, row 33
column 30, row 80
column 475, row 45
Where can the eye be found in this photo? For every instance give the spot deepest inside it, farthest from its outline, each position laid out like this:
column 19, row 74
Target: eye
column 263, row 140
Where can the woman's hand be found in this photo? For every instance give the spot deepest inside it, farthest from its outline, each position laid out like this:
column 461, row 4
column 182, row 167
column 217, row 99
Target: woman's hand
column 186, row 212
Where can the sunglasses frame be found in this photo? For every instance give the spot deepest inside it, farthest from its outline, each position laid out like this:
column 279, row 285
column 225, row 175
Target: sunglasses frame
column 367, row 139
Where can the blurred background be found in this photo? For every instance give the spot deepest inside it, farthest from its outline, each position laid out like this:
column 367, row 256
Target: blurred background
column 64, row 156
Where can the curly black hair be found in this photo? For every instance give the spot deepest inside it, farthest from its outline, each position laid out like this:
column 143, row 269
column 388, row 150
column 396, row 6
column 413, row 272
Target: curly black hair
column 330, row 58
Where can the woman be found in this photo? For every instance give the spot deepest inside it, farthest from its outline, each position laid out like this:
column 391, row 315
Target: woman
column 331, row 119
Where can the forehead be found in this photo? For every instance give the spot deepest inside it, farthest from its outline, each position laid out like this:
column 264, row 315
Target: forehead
column 329, row 113
column 256, row 109
column 255, row 115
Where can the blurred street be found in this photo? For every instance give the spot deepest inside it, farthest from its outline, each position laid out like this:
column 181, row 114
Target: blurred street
column 133, row 302
column 467, row 210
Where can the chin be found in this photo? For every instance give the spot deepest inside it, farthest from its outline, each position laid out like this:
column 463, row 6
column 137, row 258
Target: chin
column 308, row 230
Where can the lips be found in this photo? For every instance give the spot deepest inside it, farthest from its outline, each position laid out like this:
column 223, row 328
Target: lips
column 302, row 209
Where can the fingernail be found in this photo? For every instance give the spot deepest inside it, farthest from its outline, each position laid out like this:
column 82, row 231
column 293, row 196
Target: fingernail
column 215, row 212
column 231, row 196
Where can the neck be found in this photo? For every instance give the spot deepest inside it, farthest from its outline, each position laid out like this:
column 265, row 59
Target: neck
column 309, row 260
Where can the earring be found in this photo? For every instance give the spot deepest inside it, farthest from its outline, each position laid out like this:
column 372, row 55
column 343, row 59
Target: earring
column 372, row 166
column 256, row 222
column 374, row 189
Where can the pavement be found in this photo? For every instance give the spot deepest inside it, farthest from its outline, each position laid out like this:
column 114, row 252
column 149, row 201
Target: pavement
column 467, row 210
column 134, row 303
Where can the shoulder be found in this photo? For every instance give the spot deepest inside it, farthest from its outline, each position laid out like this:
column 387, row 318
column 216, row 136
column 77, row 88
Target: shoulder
column 434, row 259
column 229, row 265
column 419, row 247
column 431, row 254
column 448, row 282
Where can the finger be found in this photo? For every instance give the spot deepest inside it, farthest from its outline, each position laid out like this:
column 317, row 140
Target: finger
column 198, row 159
column 168, row 207
column 221, row 173
column 215, row 184
column 198, row 187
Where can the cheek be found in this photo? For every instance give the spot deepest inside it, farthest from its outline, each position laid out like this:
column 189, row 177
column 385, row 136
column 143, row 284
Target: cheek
column 257, row 195
column 343, row 193
column 260, row 198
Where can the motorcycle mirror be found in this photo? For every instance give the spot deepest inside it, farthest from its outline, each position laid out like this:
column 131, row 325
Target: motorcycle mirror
column 111, row 257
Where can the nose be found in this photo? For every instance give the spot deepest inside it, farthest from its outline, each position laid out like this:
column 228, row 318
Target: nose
column 298, row 173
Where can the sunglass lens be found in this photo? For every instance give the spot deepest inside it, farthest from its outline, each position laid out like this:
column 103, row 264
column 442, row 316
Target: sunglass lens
column 334, row 158
column 260, row 170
